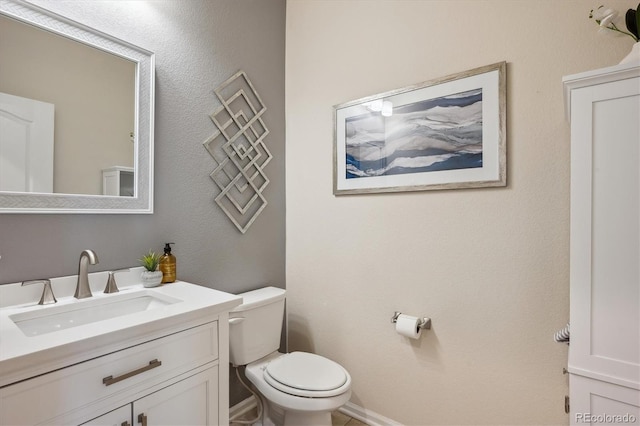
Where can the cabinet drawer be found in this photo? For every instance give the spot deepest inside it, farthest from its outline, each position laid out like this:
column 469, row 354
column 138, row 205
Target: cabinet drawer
column 115, row 375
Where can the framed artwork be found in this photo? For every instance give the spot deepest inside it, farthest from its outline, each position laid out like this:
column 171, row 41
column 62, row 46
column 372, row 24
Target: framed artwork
column 447, row 133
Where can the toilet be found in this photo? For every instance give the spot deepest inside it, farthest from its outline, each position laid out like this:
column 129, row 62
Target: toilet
column 298, row 388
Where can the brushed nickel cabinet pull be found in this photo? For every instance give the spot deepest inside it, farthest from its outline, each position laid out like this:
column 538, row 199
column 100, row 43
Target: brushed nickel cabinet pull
column 142, row 419
column 111, row 380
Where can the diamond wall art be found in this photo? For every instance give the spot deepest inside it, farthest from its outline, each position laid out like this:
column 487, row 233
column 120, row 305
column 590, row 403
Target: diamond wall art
column 239, row 150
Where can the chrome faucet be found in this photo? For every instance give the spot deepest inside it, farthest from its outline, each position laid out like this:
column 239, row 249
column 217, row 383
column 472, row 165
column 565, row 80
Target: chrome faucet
column 82, row 288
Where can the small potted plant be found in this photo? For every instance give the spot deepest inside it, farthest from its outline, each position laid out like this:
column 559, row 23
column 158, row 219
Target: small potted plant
column 151, row 277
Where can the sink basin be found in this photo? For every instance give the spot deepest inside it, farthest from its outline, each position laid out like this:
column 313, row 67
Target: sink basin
column 37, row 339
column 87, row 311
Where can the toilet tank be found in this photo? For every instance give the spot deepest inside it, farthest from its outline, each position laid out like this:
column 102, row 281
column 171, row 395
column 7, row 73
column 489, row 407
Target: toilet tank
column 255, row 325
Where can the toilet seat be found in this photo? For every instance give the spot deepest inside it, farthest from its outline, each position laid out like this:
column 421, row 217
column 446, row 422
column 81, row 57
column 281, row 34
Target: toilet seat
column 308, row 375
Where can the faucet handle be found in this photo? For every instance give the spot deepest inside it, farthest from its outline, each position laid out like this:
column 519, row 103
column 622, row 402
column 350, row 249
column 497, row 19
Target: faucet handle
column 112, row 287
column 47, row 291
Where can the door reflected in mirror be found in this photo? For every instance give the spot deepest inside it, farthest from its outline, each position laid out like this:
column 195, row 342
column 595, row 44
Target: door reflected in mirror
column 67, row 114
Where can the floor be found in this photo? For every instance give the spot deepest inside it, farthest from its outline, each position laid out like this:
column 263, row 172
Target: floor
column 337, row 419
column 340, row 419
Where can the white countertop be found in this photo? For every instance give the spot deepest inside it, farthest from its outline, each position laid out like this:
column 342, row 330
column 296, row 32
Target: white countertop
column 23, row 356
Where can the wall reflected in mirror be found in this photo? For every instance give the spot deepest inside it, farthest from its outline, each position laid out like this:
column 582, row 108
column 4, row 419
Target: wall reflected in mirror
column 84, row 120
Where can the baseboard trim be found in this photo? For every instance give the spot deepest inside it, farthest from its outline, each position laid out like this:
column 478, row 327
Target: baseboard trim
column 242, row 407
column 350, row 409
column 369, row 417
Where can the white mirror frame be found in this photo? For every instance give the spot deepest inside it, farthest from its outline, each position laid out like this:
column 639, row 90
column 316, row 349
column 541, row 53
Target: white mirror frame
column 142, row 201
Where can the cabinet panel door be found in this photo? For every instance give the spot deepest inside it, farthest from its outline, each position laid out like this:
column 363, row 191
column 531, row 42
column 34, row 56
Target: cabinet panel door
column 597, row 402
column 26, row 144
column 118, row 417
column 192, row 401
column 605, row 232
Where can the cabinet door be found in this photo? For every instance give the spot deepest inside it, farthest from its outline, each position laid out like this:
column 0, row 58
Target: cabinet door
column 605, row 232
column 118, row 417
column 192, row 401
column 597, row 402
column 26, row 143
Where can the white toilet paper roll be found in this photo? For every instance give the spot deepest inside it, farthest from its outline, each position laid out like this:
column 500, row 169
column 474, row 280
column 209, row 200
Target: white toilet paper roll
column 407, row 325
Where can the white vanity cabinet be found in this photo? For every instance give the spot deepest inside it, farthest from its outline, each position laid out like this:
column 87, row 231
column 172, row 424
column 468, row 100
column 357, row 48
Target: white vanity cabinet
column 118, row 417
column 192, row 401
column 170, row 370
column 604, row 353
column 118, row 181
column 180, row 369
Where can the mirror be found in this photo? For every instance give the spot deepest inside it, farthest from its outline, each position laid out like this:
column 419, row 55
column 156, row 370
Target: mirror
column 76, row 118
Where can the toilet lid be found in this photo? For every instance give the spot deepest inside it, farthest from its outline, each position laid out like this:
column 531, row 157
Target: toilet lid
column 306, row 374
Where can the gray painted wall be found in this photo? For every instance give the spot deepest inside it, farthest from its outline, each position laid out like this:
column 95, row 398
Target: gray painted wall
column 198, row 44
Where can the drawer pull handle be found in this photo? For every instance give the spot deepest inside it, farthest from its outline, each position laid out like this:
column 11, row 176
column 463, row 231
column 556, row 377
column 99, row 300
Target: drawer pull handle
column 142, row 418
column 111, row 380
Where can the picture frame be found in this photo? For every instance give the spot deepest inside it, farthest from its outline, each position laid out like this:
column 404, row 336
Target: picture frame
column 447, row 133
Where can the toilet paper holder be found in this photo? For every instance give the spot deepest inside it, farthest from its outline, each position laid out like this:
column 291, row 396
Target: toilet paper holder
column 425, row 323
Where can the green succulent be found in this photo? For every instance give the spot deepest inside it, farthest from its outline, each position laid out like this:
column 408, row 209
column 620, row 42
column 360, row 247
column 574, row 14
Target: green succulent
column 150, row 261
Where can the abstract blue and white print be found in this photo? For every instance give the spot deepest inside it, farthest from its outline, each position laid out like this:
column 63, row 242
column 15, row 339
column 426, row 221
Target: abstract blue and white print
column 437, row 134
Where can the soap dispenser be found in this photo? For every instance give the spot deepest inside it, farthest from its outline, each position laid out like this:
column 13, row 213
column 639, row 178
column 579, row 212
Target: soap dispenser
column 168, row 265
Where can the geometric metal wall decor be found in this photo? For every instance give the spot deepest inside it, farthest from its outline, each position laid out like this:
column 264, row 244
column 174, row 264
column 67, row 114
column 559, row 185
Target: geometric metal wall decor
column 239, row 150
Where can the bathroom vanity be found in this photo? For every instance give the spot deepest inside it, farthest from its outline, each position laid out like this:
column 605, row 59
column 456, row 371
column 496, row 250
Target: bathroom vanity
column 140, row 356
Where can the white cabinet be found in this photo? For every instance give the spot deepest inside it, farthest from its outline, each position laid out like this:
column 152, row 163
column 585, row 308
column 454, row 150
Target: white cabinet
column 171, row 380
column 192, row 401
column 600, row 402
column 604, row 354
column 118, row 417
column 118, row 181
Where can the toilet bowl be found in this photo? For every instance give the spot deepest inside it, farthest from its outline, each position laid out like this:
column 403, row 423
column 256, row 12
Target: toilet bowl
column 297, row 388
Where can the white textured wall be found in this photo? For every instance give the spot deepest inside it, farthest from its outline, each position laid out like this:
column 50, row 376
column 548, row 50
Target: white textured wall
column 489, row 266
